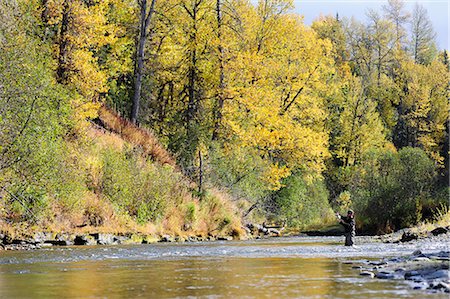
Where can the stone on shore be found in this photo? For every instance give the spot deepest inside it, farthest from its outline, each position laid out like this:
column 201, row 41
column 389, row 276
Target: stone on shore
column 59, row 242
column 85, row 240
column 439, row 231
column 166, row 238
column 420, row 259
column 409, row 236
column 104, row 239
column 41, row 237
column 225, row 238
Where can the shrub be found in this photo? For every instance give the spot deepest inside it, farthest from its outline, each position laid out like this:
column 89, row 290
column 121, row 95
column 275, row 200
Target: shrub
column 35, row 117
column 239, row 169
column 391, row 188
column 191, row 214
column 138, row 188
column 302, row 204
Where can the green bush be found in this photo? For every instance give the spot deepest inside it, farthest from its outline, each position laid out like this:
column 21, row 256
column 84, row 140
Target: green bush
column 34, row 120
column 191, row 212
column 390, row 188
column 240, row 170
column 138, row 187
column 300, row 203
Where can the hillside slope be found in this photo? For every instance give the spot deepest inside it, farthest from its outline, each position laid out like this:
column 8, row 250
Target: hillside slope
column 119, row 179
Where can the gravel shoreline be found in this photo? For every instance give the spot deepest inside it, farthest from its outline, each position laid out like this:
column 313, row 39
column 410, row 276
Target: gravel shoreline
column 423, row 270
column 47, row 239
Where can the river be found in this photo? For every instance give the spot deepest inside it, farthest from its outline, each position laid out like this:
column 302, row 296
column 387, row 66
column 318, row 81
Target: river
column 294, row 267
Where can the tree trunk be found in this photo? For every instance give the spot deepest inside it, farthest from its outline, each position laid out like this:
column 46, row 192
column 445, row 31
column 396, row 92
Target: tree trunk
column 200, row 173
column 192, row 105
column 193, row 102
column 61, row 71
column 144, row 22
column 221, row 88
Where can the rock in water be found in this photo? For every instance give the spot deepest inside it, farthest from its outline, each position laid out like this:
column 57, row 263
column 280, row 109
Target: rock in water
column 420, row 259
column 441, row 286
column 410, row 274
column 41, row 237
column 367, row 273
column 384, row 275
column 439, row 274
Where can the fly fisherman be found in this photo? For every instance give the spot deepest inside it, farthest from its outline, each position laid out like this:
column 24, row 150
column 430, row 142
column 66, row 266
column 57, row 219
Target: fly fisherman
column 349, row 226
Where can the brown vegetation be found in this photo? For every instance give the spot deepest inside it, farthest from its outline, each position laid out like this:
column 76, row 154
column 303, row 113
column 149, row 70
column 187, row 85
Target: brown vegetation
column 138, row 136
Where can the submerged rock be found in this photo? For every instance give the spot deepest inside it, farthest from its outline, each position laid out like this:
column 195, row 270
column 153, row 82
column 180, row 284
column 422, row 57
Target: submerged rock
column 367, row 273
column 439, row 274
column 25, row 246
column 410, row 274
column 440, row 286
column 384, row 275
column 424, row 269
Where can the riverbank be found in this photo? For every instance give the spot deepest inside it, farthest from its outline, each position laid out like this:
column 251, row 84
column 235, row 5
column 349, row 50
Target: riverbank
column 48, row 239
column 40, row 240
column 45, row 239
column 422, row 269
column 30, row 238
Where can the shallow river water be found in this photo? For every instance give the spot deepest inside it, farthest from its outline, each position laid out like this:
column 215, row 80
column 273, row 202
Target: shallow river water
column 300, row 267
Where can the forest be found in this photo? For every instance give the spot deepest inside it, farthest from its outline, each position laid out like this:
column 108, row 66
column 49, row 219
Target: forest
column 199, row 115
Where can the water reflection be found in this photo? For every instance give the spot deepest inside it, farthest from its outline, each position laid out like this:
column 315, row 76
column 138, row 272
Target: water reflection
column 226, row 270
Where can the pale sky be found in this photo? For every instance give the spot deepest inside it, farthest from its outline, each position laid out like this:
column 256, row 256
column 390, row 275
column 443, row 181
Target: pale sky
column 438, row 11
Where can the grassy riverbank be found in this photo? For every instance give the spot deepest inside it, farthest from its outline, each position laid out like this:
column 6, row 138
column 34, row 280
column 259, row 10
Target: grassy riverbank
column 118, row 178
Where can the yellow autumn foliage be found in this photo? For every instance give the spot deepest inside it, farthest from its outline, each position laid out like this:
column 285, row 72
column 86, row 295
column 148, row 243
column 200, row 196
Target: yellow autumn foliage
column 279, row 91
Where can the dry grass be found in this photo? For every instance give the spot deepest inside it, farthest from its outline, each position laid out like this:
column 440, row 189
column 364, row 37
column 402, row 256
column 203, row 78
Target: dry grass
column 214, row 215
column 141, row 137
column 225, row 216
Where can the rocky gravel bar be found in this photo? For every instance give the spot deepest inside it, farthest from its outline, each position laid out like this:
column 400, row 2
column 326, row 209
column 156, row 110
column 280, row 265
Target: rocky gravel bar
column 424, row 271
